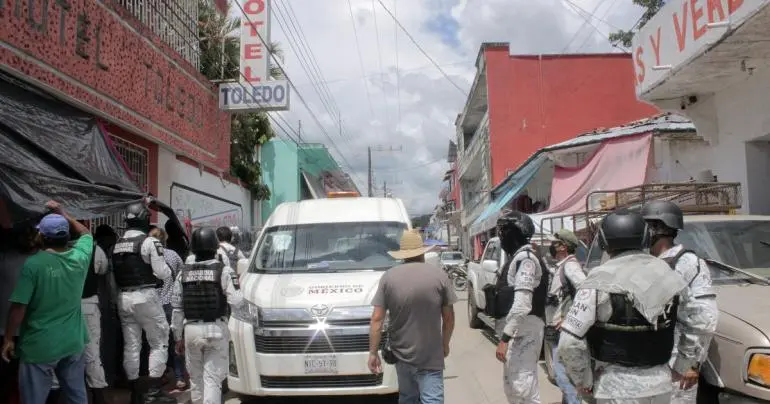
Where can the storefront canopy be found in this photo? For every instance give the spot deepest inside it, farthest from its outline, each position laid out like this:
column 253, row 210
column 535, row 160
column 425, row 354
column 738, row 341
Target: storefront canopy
column 516, row 185
column 50, row 150
column 617, row 163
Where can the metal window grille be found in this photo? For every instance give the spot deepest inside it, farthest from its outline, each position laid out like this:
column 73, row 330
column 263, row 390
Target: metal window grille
column 137, row 159
column 174, row 21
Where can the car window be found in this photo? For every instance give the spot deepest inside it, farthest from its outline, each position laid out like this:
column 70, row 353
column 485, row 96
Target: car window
column 493, row 252
column 328, row 247
column 595, row 254
column 743, row 244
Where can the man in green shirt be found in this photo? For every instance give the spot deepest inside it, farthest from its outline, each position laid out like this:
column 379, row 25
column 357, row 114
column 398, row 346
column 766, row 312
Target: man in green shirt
column 46, row 305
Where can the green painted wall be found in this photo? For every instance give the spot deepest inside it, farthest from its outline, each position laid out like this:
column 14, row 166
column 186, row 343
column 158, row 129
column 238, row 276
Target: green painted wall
column 282, row 164
column 279, row 161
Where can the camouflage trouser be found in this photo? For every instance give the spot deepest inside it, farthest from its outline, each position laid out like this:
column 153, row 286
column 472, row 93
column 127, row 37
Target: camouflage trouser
column 520, row 372
column 680, row 396
column 659, row 399
column 207, row 351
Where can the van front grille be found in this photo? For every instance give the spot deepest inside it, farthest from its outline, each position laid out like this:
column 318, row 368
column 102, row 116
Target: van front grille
column 312, row 382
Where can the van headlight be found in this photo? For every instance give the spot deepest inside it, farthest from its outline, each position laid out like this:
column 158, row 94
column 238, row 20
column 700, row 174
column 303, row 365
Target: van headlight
column 759, row 369
column 247, row 312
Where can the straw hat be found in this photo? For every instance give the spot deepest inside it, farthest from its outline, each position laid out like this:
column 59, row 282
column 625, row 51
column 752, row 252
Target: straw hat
column 411, row 246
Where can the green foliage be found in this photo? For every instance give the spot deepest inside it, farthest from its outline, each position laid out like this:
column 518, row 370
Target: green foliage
column 220, row 47
column 624, row 38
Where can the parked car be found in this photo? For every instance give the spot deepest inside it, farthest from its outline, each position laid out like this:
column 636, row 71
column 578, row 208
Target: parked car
column 737, row 251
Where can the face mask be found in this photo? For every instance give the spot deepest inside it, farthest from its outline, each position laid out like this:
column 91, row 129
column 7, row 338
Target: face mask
column 552, row 250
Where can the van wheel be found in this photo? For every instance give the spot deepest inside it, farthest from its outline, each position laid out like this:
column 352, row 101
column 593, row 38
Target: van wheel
column 707, row 393
column 473, row 312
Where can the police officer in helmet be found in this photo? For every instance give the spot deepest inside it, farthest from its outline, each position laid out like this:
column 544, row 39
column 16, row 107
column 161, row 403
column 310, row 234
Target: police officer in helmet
column 664, row 220
column 617, row 339
column 521, row 294
column 139, row 269
column 202, row 293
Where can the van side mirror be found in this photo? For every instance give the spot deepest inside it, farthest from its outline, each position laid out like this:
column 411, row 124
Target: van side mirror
column 489, row 265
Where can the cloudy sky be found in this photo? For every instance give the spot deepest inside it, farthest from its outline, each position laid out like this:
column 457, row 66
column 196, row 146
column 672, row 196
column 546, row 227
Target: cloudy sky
column 367, row 93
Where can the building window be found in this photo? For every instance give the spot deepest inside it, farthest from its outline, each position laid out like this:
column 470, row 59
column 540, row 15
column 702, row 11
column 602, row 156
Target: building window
column 175, row 22
column 137, row 159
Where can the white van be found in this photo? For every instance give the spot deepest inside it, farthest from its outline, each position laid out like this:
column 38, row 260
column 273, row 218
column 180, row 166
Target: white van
column 309, row 283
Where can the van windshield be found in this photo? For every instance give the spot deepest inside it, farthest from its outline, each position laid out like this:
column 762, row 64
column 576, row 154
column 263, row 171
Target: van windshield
column 328, row 247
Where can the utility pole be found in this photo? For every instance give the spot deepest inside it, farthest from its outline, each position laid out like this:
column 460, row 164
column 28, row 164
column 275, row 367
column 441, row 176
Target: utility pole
column 299, row 132
column 370, row 172
column 385, row 188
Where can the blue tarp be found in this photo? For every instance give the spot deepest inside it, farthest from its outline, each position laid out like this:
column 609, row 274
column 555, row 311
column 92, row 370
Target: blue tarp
column 518, row 181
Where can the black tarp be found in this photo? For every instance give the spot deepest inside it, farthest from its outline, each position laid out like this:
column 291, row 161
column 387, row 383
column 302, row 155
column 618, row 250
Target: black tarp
column 51, row 150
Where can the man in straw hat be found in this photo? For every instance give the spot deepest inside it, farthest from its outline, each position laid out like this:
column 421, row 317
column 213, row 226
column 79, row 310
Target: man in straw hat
column 415, row 295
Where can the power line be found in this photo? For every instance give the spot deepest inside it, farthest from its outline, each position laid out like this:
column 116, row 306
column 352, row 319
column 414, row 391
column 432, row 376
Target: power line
column 428, row 66
column 270, row 117
column 299, row 95
column 360, row 59
column 307, row 64
column 411, row 38
column 398, row 69
column 606, row 13
column 591, row 14
column 379, row 59
column 581, row 27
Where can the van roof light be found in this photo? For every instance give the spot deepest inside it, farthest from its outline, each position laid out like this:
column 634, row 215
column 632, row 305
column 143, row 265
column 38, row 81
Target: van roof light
column 343, row 194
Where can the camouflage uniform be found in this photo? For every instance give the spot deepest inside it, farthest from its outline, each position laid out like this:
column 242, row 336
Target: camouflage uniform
column 570, row 270
column 520, row 380
column 615, row 383
column 702, row 301
column 206, row 343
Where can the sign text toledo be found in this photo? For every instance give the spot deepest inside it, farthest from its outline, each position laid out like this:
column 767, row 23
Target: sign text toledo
column 254, row 91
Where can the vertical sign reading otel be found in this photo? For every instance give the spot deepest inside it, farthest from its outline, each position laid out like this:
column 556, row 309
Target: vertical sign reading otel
column 255, row 91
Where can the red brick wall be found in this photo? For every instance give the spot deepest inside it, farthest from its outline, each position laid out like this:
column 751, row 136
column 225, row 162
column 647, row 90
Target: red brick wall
column 534, row 104
column 97, row 54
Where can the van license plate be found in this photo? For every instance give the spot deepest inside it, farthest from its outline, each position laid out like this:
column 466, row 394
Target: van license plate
column 320, row 364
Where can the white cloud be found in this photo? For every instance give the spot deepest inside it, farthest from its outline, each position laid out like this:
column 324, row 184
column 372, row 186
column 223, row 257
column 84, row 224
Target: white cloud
column 428, row 102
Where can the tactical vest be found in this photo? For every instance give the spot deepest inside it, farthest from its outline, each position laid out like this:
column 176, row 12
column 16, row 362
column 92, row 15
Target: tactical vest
column 566, row 289
column 500, row 296
column 130, row 270
column 628, row 339
column 232, row 255
column 91, row 286
column 202, row 296
column 672, row 261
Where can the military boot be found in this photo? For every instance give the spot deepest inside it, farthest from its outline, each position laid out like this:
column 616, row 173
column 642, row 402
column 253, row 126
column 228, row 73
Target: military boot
column 156, row 395
column 98, row 396
column 136, row 392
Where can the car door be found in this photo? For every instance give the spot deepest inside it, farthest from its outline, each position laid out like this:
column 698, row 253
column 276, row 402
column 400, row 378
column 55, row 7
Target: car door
column 492, row 253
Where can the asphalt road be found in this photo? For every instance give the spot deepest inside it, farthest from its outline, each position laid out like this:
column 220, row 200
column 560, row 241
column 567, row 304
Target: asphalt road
column 472, row 376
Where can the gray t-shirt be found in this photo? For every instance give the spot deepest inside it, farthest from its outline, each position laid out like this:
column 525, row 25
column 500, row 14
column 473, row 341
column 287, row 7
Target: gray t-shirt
column 414, row 295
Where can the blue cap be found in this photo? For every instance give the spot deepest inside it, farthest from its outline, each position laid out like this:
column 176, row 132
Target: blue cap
column 54, row 226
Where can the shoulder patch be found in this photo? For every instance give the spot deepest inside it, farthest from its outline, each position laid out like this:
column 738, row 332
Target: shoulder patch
column 528, row 265
column 583, row 294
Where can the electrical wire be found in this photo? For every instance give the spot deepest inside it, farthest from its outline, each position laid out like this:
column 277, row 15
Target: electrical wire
column 270, row 117
column 306, row 64
column 299, row 95
column 379, row 60
column 373, row 75
column 604, row 16
column 585, row 22
column 360, row 59
column 420, row 48
column 398, row 69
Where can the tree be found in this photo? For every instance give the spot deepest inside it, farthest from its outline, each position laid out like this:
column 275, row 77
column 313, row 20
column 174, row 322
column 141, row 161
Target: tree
column 651, row 8
column 220, row 48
